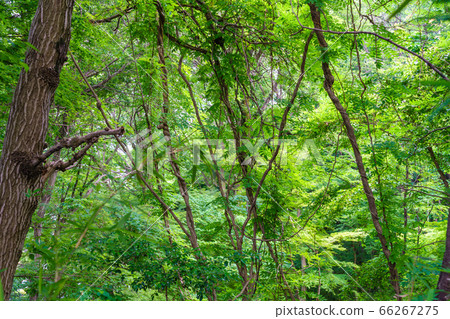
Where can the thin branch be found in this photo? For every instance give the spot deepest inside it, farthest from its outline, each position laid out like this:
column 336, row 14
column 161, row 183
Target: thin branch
column 111, row 18
column 99, row 103
column 94, row 72
column 62, row 166
column 432, row 131
column 283, row 122
column 74, row 142
column 427, row 194
column 125, row 149
column 436, row 242
column 438, row 167
column 110, row 77
column 385, row 39
column 185, row 45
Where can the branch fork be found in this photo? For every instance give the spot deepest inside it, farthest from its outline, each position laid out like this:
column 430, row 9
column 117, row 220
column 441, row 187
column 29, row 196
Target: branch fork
column 73, row 142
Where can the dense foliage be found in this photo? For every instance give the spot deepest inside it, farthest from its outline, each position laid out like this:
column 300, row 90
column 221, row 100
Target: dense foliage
column 279, row 211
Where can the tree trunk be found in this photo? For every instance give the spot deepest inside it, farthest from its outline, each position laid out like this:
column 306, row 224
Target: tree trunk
column 164, row 126
column 49, row 185
column 443, row 285
column 444, row 278
column 304, row 265
column 328, row 85
column 27, row 128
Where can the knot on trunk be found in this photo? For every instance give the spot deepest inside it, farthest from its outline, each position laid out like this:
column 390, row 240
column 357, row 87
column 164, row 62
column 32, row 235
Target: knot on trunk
column 49, row 76
column 26, row 167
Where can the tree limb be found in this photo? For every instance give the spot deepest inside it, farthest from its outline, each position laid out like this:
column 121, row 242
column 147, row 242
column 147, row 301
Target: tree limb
column 432, row 131
column 74, row 142
column 328, row 86
column 185, row 45
column 109, row 78
column 385, row 39
column 109, row 19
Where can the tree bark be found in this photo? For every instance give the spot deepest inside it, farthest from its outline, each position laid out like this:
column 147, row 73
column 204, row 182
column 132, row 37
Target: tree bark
column 328, row 85
column 443, row 285
column 164, row 126
column 49, row 185
column 27, row 128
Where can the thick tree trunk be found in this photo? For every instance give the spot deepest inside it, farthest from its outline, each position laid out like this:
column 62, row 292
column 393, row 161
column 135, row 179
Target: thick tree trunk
column 27, row 128
column 49, row 184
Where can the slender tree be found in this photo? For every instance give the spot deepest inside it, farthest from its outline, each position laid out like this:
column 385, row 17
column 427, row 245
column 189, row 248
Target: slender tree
column 328, row 85
column 443, row 285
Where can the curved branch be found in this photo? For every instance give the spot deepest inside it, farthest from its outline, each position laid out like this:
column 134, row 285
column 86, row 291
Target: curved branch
column 75, row 142
column 284, row 120
column 109, row 78
column 185, row 45
column 432, row 131
column 387, row 40
column 111, row 18
column 328, row 86
column 62, row 166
